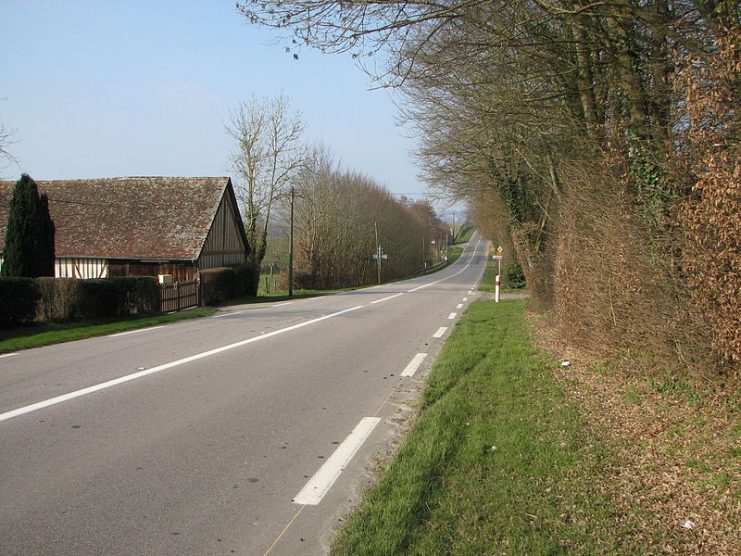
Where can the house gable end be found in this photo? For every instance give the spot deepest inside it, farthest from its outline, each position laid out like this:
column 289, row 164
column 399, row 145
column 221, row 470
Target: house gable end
column 226, row 243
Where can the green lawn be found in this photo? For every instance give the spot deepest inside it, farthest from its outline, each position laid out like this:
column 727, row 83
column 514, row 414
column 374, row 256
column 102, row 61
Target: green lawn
column 24, row 337
column 464, row 234
column 497, row 462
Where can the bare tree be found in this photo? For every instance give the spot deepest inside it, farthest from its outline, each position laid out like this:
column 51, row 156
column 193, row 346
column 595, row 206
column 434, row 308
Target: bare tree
column 268, row 154
column 5, row 140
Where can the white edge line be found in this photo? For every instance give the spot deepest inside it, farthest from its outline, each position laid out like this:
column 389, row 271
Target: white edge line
column 440, row 332
column 414, row 364
column 322, row 481
column 465, row 299
column 228, row 314
column 136, row 331
column 459, row 306
column 120, row 380
column 451, row 316
column 447, row 277
column 283, row 304
column 386, row 298
column 8, row 355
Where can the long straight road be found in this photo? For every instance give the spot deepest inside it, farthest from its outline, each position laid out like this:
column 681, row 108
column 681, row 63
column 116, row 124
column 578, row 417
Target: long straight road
column 249, row 432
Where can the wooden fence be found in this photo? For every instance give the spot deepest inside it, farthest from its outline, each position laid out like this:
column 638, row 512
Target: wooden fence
column 180, row 295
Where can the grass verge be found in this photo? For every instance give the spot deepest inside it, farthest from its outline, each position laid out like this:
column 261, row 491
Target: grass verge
column 464, row 234
column 488, row 280
column 26, row 337
column 497, row 462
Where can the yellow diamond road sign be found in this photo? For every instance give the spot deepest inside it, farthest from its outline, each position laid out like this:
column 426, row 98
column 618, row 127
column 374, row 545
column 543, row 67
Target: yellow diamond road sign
column 500, row 250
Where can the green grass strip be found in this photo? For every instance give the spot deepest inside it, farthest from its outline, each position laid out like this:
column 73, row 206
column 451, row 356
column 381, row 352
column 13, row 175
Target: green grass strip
column 26, row 337
column 488, row 280
column 464, row 234
column 497, row 462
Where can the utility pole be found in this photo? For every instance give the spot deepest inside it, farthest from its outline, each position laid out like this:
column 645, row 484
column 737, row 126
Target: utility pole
column 290, row 250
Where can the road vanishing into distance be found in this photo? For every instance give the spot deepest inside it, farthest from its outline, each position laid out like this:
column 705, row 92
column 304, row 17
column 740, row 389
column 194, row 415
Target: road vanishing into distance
column 253, row 431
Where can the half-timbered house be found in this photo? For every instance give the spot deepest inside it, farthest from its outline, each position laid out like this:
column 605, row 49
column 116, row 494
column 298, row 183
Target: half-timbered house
column 140, row 226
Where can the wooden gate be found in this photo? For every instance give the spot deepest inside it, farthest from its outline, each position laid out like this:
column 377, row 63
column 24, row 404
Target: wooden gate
column 180, row 295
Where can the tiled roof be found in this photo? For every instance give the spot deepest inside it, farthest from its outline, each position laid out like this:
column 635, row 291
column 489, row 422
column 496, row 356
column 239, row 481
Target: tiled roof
column 128, row 218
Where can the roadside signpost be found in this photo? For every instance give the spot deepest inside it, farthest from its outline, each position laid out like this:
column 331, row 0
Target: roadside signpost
column 379, row 255
column 498, row 257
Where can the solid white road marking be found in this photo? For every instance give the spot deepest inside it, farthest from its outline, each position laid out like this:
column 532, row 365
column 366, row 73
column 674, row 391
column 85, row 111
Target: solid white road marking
column 447, row 277
column 440, row 332
column 8, row 355
column 386, row 298
column 451, row 316
column 414, row 364
column 136, row 331
column 283, row 304
column 322, row 481
column 227, row 314
column 459, row 306
column 116, row 381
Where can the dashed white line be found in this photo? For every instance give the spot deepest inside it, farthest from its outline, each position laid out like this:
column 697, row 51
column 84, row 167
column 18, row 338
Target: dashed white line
column 459, row 306
column 116, row 381
column 414, row 364
column 465, row 299
column 228, row 314
column 136, row 331
column 283, row 304
column 386, row 298
column 322, row 481
column 440, row 332
column 451, row 316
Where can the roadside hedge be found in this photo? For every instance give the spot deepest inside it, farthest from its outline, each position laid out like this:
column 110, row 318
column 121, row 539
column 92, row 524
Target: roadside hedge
column 24, row 300
column 117, row 297
column 218, row 285
column 248, row 279
column 223, row 283
column 18, row 300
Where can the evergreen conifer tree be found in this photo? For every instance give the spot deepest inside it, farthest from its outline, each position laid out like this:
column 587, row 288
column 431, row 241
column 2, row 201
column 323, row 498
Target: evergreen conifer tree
column 29, row 236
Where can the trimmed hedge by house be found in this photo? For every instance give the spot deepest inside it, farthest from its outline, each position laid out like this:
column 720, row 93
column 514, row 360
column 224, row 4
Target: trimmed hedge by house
column 118, row 297
column 218, row 285
column 18, row 300
column 223, row 283
column 24, row 300
column 248, row 279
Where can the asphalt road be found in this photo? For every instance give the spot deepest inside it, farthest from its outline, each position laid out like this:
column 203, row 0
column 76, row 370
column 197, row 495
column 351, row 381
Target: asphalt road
column 197, row 437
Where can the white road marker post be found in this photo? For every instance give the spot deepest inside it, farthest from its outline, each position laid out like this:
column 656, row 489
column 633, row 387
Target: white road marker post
column 498, row 281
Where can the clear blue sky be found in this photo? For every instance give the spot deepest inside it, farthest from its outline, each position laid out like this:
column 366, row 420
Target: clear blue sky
column 129, row 87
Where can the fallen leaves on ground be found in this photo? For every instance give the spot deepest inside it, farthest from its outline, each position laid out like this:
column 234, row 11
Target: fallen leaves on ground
column 675, row 473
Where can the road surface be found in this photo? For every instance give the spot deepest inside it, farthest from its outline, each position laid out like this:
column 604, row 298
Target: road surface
column 249, row 432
